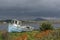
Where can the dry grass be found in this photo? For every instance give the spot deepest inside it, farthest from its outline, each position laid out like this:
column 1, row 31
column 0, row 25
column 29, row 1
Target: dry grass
column 44, row 35
column 34, row 35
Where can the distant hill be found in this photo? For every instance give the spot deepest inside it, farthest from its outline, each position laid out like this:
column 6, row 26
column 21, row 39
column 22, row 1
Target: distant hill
column 40, row 19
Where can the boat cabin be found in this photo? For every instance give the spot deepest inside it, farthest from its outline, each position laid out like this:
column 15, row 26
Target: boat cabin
column 17, row 22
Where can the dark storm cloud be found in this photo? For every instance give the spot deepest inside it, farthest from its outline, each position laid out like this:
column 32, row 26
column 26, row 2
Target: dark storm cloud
column 30, row 7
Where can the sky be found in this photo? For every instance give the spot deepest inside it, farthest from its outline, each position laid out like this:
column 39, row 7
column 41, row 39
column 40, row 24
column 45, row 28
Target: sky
column 18, row 8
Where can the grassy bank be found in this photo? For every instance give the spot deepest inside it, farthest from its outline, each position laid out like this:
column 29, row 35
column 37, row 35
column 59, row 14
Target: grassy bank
column 0, row 35
column 34, row 35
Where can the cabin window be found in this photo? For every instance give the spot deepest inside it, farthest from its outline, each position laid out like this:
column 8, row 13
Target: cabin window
column 12, row 21
column 19, row 22
column 15, row 22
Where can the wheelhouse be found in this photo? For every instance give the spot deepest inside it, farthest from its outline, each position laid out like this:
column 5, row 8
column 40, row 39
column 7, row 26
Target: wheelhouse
column 17, row 22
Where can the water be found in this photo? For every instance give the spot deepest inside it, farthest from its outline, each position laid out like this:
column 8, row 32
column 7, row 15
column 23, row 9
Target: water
column 36, row 26
column 56, row 25
column 3, row 27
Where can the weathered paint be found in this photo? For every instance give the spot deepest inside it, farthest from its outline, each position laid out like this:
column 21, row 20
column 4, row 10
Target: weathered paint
column 18, row 28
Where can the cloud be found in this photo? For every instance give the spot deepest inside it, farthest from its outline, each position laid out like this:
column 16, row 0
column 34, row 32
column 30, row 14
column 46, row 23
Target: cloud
column 35, row 4
column 30, row 7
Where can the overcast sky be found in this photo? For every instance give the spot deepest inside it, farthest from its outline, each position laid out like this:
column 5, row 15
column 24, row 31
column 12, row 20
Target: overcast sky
column 50, row 8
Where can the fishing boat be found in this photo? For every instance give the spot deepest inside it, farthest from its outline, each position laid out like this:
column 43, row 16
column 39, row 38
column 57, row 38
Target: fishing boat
column 17, row 26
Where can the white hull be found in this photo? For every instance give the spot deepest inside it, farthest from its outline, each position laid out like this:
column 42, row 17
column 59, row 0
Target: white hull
column 19, row 28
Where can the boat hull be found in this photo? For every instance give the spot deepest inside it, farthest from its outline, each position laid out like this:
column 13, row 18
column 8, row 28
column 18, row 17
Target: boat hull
column 19, row 28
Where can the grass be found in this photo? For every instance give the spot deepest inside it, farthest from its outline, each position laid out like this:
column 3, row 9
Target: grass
column 0, row 35
column 33, row 35
column 36, row 35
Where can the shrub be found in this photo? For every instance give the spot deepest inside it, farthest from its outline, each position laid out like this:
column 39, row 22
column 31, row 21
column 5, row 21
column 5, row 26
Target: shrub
column 46, row 26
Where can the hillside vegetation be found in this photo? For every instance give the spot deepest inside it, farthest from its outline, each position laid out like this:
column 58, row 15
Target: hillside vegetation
column 33, row 35
column 36, row 35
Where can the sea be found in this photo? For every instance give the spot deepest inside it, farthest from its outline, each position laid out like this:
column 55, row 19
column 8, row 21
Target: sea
column 4, row 27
